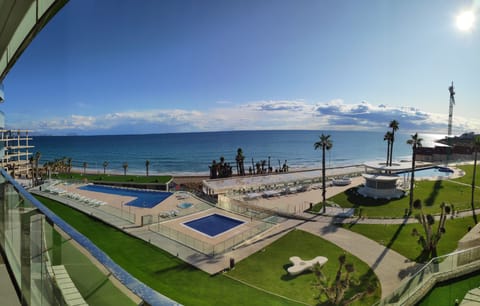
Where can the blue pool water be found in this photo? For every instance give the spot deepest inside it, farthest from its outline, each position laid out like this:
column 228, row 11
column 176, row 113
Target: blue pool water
column 213, row 225
column 433, row 172
column 185, row 205
column 143, row 198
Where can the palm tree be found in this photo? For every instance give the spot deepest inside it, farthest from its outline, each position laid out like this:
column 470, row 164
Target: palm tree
column 105, row 165
column 125, row 167
column 147, row 164
column 476, row 146
column 326, row 144
column 31, row 160
column 48, row 166
column 36, row 158
column 415, row 142
column 69, row 164
column 63, row 164
column 430, row 239
column 394, row 126
column 239, row 159
column 85, row 165
column 388, row 138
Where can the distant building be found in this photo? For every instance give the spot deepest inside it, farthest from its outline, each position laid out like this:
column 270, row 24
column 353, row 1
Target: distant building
column 449, row 149
column 15, row 150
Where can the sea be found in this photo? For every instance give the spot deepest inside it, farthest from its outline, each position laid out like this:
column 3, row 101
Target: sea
column 192, row 153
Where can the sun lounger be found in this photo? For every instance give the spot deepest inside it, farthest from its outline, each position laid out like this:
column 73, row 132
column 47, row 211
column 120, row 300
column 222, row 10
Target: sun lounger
column 69, row 291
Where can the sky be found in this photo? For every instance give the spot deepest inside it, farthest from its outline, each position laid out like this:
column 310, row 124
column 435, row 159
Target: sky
column 137, row 67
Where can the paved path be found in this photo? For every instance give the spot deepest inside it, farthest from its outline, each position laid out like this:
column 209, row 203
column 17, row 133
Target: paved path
column 389, row 266
column 7, row 291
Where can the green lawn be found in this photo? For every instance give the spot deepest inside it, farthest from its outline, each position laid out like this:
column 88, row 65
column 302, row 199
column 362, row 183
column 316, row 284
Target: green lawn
column 190, row 286
column 398, row 237
column 268, row 269
column 160, row 179
column 162, row 271
column 432, row 194
column 467, row 178
column 444, row 294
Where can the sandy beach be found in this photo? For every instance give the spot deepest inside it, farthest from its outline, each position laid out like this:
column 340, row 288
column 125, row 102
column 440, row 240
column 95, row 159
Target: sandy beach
column 194, row 182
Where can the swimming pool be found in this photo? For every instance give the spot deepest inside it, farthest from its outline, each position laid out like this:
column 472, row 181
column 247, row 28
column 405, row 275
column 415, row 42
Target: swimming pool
column 185, row 205
column 432, row 172
column 213, row 225
column 143, row 198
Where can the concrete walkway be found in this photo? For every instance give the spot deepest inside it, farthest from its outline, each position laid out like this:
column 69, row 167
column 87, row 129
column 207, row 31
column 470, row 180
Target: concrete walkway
column 389, row 266
column 8, row 294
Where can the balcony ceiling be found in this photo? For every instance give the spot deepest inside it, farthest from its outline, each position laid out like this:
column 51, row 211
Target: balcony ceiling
column 20, row 21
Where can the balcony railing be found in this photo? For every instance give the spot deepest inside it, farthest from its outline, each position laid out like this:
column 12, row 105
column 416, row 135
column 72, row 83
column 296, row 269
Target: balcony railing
column 53, row 264
column 439, row 269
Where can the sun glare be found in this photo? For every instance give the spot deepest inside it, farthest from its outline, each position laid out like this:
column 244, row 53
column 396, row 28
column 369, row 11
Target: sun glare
column 465, row 20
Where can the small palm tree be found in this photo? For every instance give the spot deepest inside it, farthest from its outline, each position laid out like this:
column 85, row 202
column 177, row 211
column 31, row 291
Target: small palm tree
column 147, row 165
column 37, row 159
column 69, row 164
column 430, row 238
column 105, row 165
column 415, row 142
column 394, row 126
column 240, row 162
column 326, row 144
column 336, row 290
column 31, row 160
column 85, row 165
column 64, row 164
column 125, row 167
column 388, row 137
column 476, row 146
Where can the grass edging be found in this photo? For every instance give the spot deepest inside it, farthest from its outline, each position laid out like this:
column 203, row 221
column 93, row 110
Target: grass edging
column 264, row 290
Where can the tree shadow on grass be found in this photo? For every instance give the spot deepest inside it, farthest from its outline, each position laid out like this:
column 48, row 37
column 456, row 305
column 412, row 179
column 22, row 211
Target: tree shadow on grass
column 175, row 268
column 423, row 257
column 332, row 227
column 357, row 200
column 366, row 280
column 389, row 244
column 409, row 271
column 434, row 194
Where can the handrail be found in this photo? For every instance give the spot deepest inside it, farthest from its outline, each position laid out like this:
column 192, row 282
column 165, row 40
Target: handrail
column 146, row 293
column 422, row 288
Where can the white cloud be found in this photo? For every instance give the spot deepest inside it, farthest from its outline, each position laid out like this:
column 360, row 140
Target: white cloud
column 258, row 115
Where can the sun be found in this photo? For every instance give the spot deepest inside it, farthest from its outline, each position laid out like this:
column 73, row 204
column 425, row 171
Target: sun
column 465, row 20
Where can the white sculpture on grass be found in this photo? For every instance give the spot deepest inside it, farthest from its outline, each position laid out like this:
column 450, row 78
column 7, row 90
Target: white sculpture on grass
column 300, row 265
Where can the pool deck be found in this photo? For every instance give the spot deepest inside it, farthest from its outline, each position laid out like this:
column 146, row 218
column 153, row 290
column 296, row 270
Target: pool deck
column 118, row 202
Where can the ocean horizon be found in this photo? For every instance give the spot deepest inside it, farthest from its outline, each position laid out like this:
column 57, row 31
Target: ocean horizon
column 192, row 153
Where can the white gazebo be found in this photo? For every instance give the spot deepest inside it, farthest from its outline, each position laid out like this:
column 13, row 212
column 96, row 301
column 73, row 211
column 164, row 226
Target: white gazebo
column 381, row 186
column 381, row 179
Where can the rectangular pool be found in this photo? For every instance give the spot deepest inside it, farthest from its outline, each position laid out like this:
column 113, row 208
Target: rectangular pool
column 213, row 225
column 143, row 198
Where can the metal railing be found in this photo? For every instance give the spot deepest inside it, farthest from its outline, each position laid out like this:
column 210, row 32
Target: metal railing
column 208, row 248
column 35, row 241
column 439, row 269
